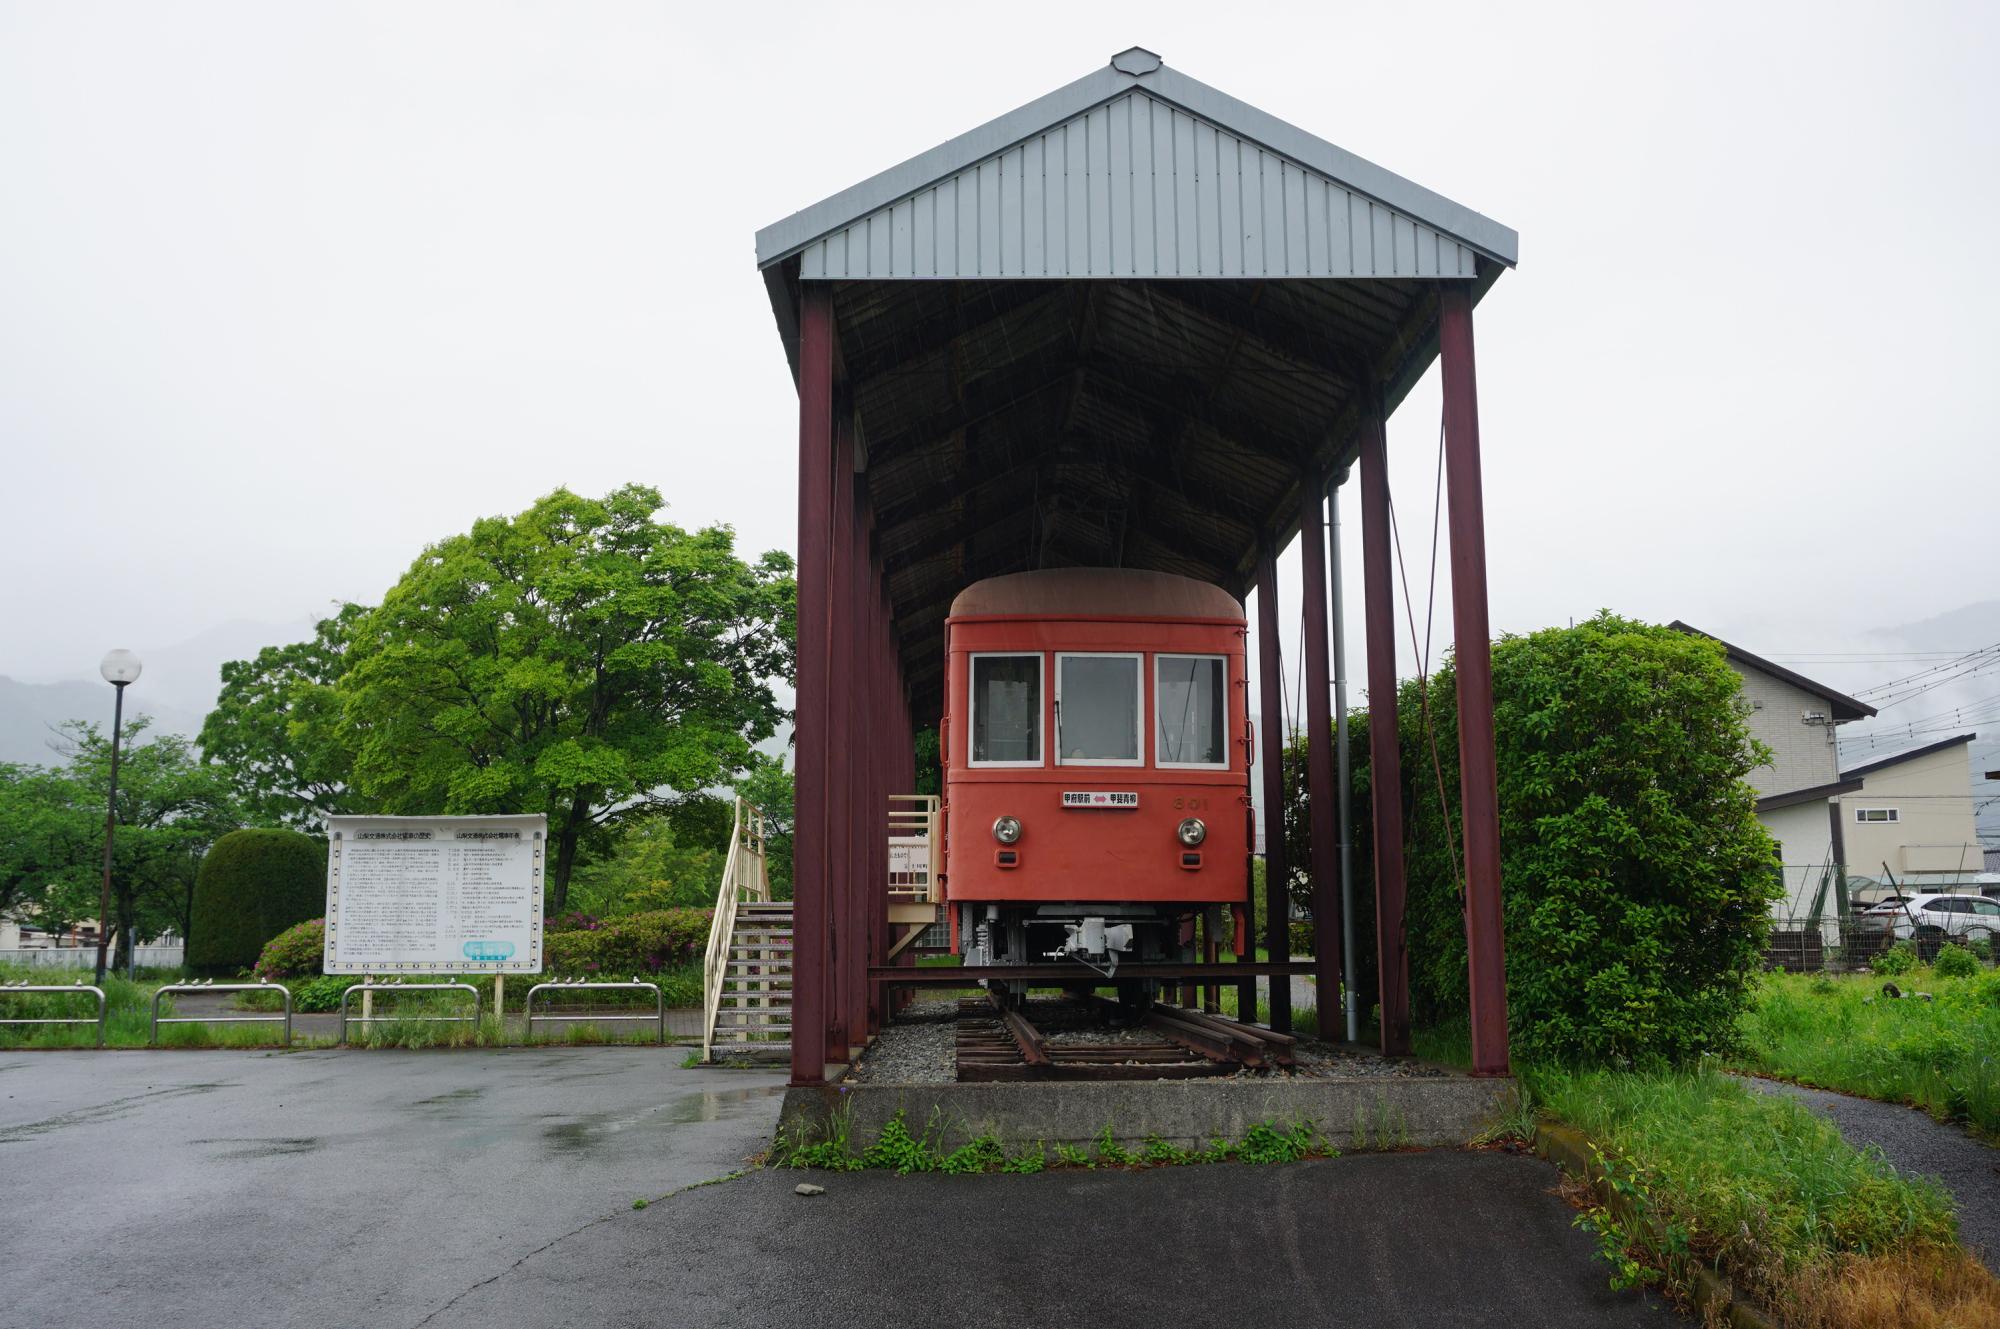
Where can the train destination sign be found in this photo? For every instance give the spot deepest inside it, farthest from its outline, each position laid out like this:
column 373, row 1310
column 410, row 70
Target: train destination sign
column 434, row 894
column 1080, row 798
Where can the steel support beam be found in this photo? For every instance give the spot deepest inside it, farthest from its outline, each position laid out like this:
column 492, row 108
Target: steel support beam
column 1321, row 797
column 840, row 740
column 1385, row 760
column 1479, row 800
column 811, row 921
column 1271, row 704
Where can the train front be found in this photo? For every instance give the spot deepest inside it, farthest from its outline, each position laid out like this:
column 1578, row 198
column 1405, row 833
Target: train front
column 1097, row 750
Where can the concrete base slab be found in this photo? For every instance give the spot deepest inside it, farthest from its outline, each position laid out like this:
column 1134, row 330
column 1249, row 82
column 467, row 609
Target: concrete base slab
column 1352, row 1114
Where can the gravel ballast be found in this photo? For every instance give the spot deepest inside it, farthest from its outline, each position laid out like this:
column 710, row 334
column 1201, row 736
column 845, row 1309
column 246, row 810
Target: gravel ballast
column 920, row 1046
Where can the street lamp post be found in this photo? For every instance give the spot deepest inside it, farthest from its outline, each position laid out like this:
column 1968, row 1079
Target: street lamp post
column 120, row 669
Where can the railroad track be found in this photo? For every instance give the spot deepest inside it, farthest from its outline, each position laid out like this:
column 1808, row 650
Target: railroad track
column 995, row 1043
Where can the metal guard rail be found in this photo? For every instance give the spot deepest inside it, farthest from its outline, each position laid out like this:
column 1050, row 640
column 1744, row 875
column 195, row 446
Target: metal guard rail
column 659, row 1015
column 745, row 877
column 478, row 1004
column 153, row 1033
column 77, row 988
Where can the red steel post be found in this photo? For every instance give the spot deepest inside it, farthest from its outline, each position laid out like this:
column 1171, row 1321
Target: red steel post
column 1322, row 797
column 1271, row 705
column 810, row 912
column 841, row 730
column 1479, row 799
column 1385, row 758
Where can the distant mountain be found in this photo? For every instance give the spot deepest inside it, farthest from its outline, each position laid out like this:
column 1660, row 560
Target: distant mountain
column 177, row 688
column 1973, row 696
column 31, row 713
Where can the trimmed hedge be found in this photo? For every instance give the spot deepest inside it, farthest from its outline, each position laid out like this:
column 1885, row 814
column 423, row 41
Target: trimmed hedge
column 251, row 886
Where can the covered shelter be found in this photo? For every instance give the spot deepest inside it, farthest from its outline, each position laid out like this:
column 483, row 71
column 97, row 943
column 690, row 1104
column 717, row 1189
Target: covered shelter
column 1135, row 323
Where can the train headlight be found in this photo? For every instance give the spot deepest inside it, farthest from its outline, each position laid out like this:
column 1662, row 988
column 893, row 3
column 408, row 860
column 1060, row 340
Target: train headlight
column 1006, row 829
column 1191, row 832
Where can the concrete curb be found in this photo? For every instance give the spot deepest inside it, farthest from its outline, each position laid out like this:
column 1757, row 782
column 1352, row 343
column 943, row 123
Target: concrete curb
column 1717, row 1299
column 1361, row 1113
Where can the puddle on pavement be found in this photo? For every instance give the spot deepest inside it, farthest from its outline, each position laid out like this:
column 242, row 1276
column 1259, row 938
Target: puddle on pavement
column 710, row 1104
column 262, row 1147
column 582, row 1135
column 454, row 1098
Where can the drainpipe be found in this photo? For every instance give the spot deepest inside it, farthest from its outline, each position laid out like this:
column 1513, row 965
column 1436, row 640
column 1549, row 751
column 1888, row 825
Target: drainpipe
column 1342, row 774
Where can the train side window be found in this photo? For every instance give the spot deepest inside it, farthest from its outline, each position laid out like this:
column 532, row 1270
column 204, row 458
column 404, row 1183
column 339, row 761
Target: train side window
column 1006, row 710
column 1190, row 711
column 1097, row 710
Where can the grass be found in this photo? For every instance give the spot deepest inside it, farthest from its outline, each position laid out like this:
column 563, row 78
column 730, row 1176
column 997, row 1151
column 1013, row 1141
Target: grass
column 1766, row 1191
column 895, row 1149
column 128, row 1017
column 1842, row 1033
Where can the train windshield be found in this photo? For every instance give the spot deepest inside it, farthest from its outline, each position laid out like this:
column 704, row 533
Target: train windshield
column 1188, row 698
column 1097, row 710
column 1007, row 710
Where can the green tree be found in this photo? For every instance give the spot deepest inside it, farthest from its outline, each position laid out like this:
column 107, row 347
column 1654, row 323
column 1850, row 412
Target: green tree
column 44, row 835
column 581, row 659
column 277, row 728
column 768, row 787
column 1636, row 878
column 171, row 807
column 653, row 865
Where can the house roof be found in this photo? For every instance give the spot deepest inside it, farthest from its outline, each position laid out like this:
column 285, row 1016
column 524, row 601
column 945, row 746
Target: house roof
column 1154, row 97
column 1869, row 767
column 1772, row 802
column 1844, row 707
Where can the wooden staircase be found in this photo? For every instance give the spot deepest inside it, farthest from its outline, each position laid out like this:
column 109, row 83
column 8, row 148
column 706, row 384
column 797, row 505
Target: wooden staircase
column 753, row 1015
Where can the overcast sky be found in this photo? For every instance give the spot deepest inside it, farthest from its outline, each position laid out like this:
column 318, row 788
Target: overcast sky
column 288, row 290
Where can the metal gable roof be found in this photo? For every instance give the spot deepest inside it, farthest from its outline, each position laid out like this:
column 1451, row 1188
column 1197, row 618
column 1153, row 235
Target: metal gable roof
column 1188, row 153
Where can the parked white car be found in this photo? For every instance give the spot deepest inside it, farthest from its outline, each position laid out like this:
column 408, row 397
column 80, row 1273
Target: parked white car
column 1962, row 917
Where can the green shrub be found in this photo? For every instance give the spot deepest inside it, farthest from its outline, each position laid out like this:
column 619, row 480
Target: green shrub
column 1301, row 934
column 1955, row 962
column 1897, row 960
column 319, row 996
column 251, row 886
column 622, row 947
column 297, row 952
column 1636, row 879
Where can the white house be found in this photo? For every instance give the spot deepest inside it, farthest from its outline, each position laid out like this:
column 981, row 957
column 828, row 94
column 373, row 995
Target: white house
column 1912, row 820
column 1799, row 790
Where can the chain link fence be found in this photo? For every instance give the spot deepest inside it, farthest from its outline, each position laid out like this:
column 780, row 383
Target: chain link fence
column 1848, row 943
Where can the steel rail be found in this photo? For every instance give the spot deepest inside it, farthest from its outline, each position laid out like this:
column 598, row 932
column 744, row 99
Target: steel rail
column 77, row 988
column 153, row 1031
column 1076, row 975
column 478, row 1004
column 658, row 1017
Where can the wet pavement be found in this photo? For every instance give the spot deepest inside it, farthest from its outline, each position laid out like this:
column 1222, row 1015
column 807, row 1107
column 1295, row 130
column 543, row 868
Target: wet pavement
column 1448, row 1238
column 496, row 1188
column 329, row 1189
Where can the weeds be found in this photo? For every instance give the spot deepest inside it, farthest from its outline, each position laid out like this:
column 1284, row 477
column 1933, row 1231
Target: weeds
column 896, row 1149
column 1942, row 1055
column 1700, row 1168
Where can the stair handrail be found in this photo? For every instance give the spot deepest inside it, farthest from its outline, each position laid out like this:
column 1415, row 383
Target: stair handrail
column 744, row 876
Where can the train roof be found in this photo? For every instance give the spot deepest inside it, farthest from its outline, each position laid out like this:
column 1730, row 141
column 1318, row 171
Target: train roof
column 1097, row 592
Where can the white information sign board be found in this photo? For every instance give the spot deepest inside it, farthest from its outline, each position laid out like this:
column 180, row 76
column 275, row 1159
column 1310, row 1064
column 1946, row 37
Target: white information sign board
column 434, row 894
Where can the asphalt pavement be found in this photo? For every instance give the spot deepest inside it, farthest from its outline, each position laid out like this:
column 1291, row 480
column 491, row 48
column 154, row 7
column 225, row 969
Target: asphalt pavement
column 1915, row 1143
column 496, row 1188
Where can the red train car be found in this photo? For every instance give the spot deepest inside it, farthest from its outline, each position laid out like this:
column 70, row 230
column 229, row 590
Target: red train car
column 1097, row 749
